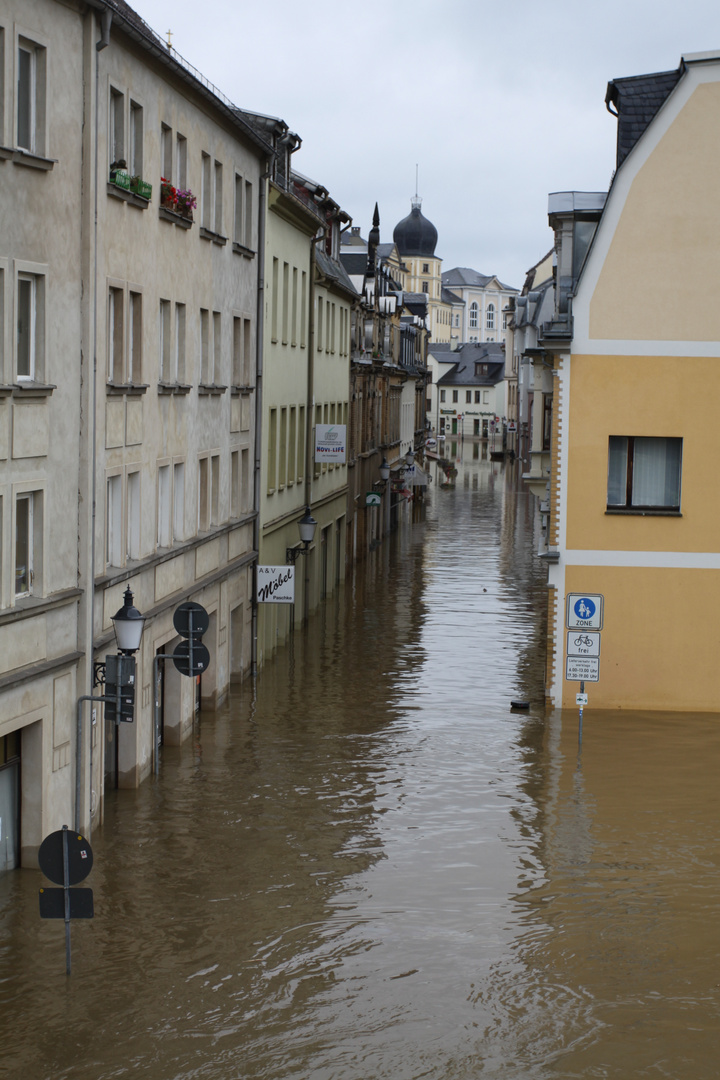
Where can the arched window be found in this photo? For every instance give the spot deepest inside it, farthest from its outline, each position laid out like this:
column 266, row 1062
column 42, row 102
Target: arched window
column 473, row 316
column 490, row 317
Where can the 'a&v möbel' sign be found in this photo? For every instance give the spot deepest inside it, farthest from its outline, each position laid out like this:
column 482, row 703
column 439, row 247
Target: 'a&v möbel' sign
column 276, row 584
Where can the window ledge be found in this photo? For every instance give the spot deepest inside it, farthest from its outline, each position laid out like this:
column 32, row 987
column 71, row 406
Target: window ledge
column 208, row 234
column 127, row 196
column 33, row 390
column 33, row 161
column 240, row 249
column 635, row 511
column 176, row 219
column 236, row 390
column 5, row 391
column 211, row 389
column 126, row 389
column 174, row 388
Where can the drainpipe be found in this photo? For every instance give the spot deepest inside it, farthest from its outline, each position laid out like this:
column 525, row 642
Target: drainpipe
column 310, row 408
column 106, row 22
column 259, row 345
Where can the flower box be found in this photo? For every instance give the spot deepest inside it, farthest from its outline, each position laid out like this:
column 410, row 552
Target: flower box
column 141, row 187
column 120, row 179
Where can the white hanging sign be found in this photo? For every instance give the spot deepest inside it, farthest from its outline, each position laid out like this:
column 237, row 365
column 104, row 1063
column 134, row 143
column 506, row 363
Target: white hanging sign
column 330, row 442
column 276, row 584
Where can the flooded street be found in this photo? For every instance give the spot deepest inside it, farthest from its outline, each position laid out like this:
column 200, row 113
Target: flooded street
column 368, row 866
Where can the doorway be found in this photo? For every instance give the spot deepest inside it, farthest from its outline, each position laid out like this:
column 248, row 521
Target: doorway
column 10, row 801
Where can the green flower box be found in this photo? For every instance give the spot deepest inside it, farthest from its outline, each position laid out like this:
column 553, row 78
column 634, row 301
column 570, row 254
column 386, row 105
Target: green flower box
column 121, row 180
column 141, row 187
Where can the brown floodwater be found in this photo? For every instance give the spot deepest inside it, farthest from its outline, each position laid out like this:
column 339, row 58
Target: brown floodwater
column 367, row 866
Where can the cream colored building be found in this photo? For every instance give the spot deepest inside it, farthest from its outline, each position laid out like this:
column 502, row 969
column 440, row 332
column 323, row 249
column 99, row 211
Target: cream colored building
column 487, row 304
column 416, row 239
column 635, row 508
column 306, row 379
column 127, row 408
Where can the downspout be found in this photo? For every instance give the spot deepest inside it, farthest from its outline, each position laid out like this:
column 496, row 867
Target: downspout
column 106, row 23
column 259, row 345
column 310, row 413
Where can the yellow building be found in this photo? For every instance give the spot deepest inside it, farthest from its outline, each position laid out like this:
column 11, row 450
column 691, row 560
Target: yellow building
column 416, row 239
column 634, row 501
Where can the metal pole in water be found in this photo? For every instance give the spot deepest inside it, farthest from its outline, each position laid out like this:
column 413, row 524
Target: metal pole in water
column 66, row 888
column 582, row 691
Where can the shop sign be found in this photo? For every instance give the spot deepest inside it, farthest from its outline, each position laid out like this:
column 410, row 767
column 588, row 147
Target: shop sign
column 330, row 442
column 276, row 584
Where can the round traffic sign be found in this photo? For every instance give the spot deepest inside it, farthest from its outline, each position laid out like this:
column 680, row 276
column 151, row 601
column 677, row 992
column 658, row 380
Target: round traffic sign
column 191, row 613
column 80, row 857
column 584, row 608
column 200, row 658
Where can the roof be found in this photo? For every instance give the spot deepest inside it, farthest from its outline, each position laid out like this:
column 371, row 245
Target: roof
column 467, row 356
column 637, row 100
column 448, row 297
column 415, row 235
column 334, row 270
column 354, row 262
column 138, row 30
column 464, row 276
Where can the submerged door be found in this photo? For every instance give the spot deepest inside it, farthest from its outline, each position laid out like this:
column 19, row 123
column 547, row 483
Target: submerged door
column 10, row 801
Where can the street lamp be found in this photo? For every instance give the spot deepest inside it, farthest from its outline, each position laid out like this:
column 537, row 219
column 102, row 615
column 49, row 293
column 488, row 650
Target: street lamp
column 129, row 625
column 410, row 457
column 306, row 527
column 384, row 470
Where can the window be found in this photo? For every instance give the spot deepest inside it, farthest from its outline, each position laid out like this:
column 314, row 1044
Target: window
column 275, row 286
column 115, row 335
column 165, row 343
column 426, row 268
column 218, row 198
column 239, row 230
column 644, row 473
column 234, row 483
column 135, row 337
column 23, row 544
column 31, row 97
column 116, row 127
column 442, row 395
column 204, row 345
column 113, row 521
column 181, row 163
column 272, row 452
column 133, row 515
column 473, row 316
column 477, row 397
column 206, row 192
column 246, row 494
column 166, row 149
column 286, row 302
column 490, row 317
column 455, row 395
column 217, row 347
column 468, row 397
column 425, row 287
column 179, row 500
column 215, row 489
column 164, row 506
column 203, row 508
column 28, row 543
column 178, row 372
column 30, row 340
column 135, row 140
column 248, row 214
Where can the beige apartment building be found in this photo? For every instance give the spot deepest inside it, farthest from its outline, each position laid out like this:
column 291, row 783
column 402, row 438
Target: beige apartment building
column 129, row 269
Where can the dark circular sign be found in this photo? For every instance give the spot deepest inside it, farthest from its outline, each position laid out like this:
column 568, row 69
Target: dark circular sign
column 80, row 857
column 188, row 613
column 200, row 658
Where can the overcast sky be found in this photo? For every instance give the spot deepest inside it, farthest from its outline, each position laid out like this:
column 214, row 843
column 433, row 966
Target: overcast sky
column 498, row 103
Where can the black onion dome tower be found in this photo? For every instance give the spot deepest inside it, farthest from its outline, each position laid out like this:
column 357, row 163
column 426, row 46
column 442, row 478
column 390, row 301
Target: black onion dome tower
column 415, row 235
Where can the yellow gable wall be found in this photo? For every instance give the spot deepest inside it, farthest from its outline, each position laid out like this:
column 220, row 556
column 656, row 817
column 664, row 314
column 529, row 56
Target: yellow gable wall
column 652, row 396
column 660, row 641
column 659, row 280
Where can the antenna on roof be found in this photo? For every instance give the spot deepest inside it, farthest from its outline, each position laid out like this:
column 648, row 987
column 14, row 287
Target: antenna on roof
column 416, row 201
column 416, row 179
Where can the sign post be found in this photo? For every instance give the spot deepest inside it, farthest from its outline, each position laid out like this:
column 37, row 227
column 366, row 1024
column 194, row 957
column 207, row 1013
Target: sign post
column 66, row 858
column 584, row 615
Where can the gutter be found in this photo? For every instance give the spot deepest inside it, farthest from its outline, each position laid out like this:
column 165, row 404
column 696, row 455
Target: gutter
column 259, row 346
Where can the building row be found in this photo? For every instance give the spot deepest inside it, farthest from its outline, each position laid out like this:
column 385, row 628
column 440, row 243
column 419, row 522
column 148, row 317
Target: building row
column 178, row 336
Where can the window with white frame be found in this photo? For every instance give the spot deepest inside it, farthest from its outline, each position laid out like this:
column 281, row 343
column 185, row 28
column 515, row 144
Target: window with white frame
column 31, row 96
column 134, row 337
column 218, row 197
column 206, row 192
column 217, row 347
column 490, row 317
column 215, row 489
column 133, row 515
column 116, row 128
column 203, row 517
column 179, row 500
column 247, row 214
column 165, row 343
column 135, row 140
column 116, row 335
column 164, row 507
column 113, row 521
column 30, row 336
column 181, row 162
column 28, row 543
column 204, row 346
column 644, row 473
column 473, row 315
column 178, row 364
